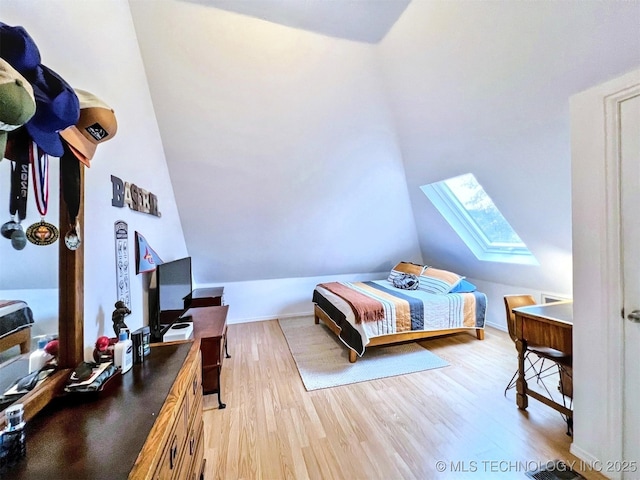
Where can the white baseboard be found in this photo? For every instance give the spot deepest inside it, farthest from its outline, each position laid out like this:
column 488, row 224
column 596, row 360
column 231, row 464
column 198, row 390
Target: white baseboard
column 589, row 463
column 270, row 317
column 497, row 326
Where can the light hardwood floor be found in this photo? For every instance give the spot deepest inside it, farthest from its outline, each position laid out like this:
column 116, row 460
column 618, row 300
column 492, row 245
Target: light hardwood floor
column 393, row 428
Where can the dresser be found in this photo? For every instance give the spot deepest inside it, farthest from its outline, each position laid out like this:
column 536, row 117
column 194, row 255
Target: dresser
column 148, row 426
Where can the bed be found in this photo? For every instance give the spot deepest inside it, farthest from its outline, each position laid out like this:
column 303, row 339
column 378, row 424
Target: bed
column 16, row 319
column 412, row 303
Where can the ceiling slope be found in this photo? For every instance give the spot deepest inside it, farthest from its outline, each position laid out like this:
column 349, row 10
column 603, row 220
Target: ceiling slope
column 280, row 146
column 362, row 21
column 295, row 154
column 484, row 87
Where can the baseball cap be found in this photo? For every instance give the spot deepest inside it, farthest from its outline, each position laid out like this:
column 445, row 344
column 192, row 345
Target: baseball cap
column 97, row 124
column 57, row 107
column 17, row 102
column 18, row 48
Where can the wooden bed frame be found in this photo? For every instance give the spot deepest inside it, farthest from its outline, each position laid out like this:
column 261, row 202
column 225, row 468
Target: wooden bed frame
column 320, row 314
column 21, row 337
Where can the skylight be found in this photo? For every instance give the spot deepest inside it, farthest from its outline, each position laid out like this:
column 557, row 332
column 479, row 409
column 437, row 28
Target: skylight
column 476, row 219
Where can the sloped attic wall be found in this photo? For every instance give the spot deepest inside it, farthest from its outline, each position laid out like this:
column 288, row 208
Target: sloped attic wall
column 280, row 145
column 483, row 87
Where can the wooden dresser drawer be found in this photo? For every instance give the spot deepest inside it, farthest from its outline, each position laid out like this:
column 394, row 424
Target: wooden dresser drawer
column 191, row 450
column 193, row 390
column 189, row 457
column 169, row 465
column 180, row 454
column 197, row 464
column 195, row 384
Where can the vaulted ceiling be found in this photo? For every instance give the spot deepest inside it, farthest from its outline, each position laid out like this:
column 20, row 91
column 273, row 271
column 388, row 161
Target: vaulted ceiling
column 298, row 133
column 363, row 21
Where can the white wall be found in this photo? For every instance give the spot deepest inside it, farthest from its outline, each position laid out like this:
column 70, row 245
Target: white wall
column 495, row 292
column 34, row 266
column 280, row 145
column 93, row 46
column 483, row 87
column 279, row 298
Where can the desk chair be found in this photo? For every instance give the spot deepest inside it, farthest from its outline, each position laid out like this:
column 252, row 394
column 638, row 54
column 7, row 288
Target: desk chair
column 557, row 361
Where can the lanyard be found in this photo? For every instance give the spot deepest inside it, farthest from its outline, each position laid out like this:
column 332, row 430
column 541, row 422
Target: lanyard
column 19, row 189
column 41, row 233
column 40, row 168
column 70, row 175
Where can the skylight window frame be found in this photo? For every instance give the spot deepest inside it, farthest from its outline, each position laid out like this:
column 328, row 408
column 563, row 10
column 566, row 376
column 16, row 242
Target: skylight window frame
column 450, row 207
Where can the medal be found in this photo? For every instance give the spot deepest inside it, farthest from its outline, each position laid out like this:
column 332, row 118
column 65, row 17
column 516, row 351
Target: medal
column 17, row 201
column 70, row 175
column 8, row 228
column 41, row 233
column 72, row 238
column 18, row 238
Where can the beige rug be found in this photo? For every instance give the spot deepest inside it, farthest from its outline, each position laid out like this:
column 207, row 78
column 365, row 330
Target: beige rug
column 323, row 360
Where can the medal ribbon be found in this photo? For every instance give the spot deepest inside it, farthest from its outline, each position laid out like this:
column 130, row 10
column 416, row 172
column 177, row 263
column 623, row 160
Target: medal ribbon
column 19, row 189
column 70, row 173
column 40, row 177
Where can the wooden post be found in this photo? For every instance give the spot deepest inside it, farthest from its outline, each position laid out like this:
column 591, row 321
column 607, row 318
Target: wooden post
column 71, row 288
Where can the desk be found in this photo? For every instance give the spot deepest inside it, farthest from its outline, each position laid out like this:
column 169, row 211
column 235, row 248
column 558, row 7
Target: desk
column 210, row 326
column 548, row 325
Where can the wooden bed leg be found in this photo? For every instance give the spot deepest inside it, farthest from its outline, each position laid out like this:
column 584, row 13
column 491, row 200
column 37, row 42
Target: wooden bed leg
column 352, row 356
column 480, row 333
column 316, row 319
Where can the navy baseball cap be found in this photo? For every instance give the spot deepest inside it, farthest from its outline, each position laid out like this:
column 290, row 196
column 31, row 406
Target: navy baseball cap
column 57, row 107
column 18, row 48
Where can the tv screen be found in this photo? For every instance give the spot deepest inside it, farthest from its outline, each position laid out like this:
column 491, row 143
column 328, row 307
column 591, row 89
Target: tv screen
column 167, row 296
column 174, row 283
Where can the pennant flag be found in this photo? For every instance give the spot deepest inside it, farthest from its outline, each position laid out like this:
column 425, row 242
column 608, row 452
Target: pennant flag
column 146, row 259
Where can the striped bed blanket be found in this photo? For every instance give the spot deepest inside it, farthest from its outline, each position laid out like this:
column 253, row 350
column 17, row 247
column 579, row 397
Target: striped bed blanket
column 14, row 315
column 367, row 309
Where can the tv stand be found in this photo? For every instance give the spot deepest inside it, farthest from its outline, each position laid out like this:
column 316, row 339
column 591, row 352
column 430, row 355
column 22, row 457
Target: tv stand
column 205, row 297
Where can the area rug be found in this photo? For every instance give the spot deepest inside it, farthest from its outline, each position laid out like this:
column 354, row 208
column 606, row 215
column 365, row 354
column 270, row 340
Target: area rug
column 323, row 360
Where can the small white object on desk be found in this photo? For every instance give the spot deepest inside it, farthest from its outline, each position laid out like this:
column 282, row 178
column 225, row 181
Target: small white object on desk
column 39, row 358
column 123, row 352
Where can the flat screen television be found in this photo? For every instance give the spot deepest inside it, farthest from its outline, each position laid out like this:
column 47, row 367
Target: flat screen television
column 168, row 295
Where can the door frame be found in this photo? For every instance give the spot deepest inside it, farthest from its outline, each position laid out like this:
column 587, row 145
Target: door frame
column 596, row 155
column 613, row 266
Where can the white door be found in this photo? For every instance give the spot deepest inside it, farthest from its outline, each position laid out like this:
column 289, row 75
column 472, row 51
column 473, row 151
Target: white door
column 630, row 258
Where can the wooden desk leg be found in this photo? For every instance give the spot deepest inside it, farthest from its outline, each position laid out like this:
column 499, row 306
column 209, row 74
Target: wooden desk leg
column 521, row 384
column 220, row 404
